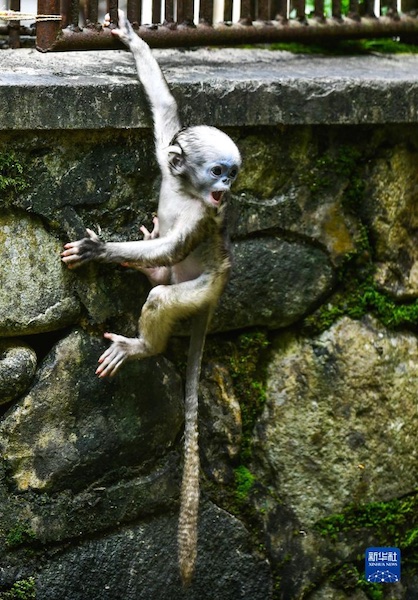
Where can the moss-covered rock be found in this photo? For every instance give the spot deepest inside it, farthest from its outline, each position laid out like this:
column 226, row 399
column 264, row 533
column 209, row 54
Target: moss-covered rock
column 17, row 368
column 73, row 428
column 273, row 283
column 339, row 421
column 36, row 293
column 391, row 215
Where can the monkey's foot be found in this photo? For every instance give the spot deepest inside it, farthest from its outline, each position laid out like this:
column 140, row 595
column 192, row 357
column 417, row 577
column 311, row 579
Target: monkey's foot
column 120, row 350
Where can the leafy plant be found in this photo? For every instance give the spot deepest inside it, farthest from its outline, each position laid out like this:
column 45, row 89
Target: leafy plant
column 24, row 589
column 11, row 174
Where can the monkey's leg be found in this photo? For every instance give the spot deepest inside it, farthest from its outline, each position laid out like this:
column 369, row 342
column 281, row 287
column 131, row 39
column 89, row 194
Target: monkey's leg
column 165, row 305
column 168, row 304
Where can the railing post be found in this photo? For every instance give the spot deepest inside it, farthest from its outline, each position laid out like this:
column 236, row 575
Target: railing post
column 47, row 31
column 185, row 12
column 14, row 27
column 206, row 12
column 133, row 11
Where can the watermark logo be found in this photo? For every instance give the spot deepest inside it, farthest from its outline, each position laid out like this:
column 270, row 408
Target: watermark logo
column 383, row 565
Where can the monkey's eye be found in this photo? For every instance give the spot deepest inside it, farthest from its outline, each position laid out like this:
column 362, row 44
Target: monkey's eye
column 216, row 171
column 233, row 173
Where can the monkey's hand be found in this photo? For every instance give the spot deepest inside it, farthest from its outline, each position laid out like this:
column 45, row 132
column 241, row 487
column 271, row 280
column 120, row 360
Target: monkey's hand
column 156, row 275
column 148, row 235
column 151, row 235
column 124, row 32
column 83, row 251
column 120, row 350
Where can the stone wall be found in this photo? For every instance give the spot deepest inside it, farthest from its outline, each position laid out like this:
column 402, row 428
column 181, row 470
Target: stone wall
column 308, row 411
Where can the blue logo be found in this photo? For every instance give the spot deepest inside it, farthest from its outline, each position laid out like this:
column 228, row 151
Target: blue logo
column 383, row 565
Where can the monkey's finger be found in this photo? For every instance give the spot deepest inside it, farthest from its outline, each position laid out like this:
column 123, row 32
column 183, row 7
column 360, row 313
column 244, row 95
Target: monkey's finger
column 75, row 260
column 156, row 231
column 147, row 234
column 114, row 337
column 92, row 235
column 108, row 369
column 105, row 354
column 73, row 254
column 106, row 359
column 107, row 22
column 69, row 250
column 111, row 351
column 69, row 259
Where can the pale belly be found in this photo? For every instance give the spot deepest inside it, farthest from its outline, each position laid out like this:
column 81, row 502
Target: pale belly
column 188, row 269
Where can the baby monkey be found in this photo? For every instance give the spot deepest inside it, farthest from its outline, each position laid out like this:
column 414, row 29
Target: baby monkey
column 185, row 257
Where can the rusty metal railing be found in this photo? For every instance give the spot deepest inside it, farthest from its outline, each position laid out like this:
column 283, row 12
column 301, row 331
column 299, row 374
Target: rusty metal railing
column 183, row 23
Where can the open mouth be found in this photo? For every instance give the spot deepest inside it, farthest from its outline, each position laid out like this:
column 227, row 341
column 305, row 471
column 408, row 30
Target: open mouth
column 216, row 198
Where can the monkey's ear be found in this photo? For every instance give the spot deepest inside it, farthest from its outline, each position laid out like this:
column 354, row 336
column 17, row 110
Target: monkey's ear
column 176, row 159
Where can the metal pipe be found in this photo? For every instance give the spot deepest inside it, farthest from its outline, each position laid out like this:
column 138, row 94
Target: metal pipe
column 14, row 27
column 181, row 36
column 47, row 31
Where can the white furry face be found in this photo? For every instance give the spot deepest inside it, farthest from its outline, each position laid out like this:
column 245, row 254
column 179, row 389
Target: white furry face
column 207, row 160
column 219, row 177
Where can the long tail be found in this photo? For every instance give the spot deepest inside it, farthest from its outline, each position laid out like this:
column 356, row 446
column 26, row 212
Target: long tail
column 189, row 500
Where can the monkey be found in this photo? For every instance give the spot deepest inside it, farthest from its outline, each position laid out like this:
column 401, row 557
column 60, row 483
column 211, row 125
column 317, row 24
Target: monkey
column 185, row 257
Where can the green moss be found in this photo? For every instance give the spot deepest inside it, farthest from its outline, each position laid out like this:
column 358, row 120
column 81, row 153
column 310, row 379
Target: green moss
column 20, row 535
column 247, row 370
column 24, row 589
column 357, row 294
column 348, row 47
column 12, row 177
column 393, row 523
column 245, row 358
column 244, row 482
column 338, row 164
column 357, row 299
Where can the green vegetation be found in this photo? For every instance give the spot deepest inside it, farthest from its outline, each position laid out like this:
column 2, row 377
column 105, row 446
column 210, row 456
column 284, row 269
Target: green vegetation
column 348, row 47
column 334, row 166
column 244, row 481
column 248, row 375
column 24, row 589
column 394, row 523
column 11, row 174
column 357, row 298
column 348, row 578
column 357, row 293
column 373, row 591
column 20, row 535
column 245, row 359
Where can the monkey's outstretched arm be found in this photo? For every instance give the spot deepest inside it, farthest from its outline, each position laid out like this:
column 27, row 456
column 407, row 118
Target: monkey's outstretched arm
column 163, row 105
column 159, row 252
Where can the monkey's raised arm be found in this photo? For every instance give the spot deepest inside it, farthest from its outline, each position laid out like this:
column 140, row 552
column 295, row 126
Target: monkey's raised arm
column 163, row 105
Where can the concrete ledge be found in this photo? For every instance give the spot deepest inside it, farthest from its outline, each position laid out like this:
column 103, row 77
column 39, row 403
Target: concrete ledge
column 229, row 87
